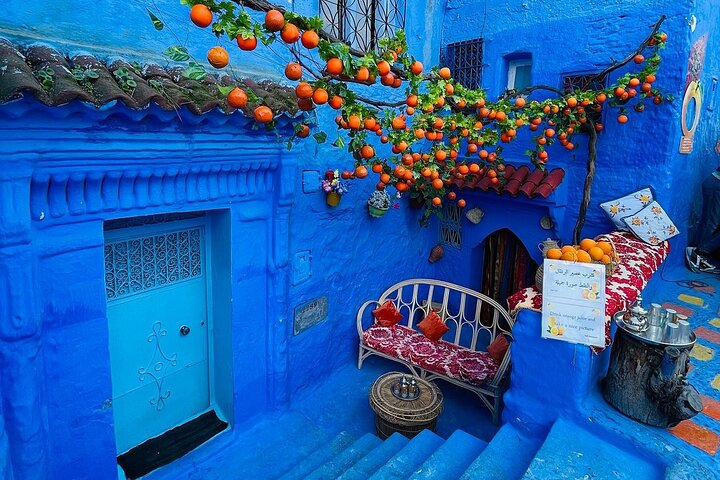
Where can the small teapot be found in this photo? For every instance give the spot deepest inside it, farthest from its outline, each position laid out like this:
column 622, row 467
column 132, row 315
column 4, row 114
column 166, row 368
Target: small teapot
column 547, row 245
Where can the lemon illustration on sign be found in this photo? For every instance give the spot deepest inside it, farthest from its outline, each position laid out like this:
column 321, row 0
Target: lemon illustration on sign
column 552, row 267
column 554, row 330
column 552, row 321
column 592, row 296
column 584, row 293
column 560, row 329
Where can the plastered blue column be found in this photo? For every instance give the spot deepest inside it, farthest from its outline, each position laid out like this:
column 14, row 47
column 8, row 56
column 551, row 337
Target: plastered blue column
column 5, row 466
column 548, row 376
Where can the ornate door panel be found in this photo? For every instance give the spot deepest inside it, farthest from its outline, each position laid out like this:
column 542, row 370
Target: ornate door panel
column 155, row 281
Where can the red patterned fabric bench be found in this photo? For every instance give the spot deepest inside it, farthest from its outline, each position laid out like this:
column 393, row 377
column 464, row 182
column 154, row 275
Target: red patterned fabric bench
column 638, row 262
column 475, row 320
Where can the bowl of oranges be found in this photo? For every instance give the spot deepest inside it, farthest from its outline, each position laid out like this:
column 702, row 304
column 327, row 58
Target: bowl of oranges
column 588, row 251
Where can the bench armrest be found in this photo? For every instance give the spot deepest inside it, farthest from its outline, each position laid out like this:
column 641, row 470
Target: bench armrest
column 360, row 314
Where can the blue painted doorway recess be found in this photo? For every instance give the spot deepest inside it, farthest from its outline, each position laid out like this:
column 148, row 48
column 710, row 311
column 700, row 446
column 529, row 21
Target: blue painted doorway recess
column 156, row 288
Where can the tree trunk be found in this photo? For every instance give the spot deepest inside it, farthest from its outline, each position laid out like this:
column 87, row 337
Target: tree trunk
column 647, row 382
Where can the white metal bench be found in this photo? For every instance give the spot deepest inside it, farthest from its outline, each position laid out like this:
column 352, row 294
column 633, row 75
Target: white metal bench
column 475, row 320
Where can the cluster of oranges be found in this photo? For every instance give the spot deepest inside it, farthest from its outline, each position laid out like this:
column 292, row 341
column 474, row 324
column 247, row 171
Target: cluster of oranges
column 462, row 133
column 587, row 252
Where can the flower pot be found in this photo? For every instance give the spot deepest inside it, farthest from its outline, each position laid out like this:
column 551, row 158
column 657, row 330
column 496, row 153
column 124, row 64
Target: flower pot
column 377, row 212
column 333, row 199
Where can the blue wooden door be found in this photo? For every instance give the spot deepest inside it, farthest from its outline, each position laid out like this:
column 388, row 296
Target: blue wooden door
column 155, row 279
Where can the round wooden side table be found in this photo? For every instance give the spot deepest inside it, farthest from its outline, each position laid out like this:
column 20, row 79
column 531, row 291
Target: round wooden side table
column 408, row 416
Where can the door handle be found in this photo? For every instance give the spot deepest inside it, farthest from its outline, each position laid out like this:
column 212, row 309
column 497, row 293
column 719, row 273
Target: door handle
column 184, row 330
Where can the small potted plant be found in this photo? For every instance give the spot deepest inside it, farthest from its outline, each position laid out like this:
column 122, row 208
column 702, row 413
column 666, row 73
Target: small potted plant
column 333, row 187
column 378, row 203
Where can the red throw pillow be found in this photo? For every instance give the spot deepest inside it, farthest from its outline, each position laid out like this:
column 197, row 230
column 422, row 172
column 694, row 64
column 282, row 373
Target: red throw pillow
column 433, row 327
column 498, row 348
column 387, row 315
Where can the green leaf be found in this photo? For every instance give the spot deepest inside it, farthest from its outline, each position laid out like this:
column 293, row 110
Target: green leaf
column 91, row 74
column 177, row 53
column 131, row 83
column 339, row 142
column 195, row 71
column 157, row 23
column 225, row 89
column 320, row 137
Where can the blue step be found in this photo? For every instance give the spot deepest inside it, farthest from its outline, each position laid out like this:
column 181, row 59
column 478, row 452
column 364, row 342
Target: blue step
column 506, row 457
column 410, row 457
column 334, row 467
column 318, row 457
column 452, row 458
column 571, row 451
column 376, row 458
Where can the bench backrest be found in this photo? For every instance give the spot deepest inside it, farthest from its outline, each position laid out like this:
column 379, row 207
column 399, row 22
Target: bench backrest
column 467, row 312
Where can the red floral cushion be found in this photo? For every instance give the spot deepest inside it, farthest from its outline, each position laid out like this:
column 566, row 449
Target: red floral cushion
column 498, row 348
column 439, row 357
column 387, row 315
column 433, row 327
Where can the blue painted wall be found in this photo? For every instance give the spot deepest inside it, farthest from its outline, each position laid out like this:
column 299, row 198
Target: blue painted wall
column 67, row 169
column 584, row 37
column 54, row 363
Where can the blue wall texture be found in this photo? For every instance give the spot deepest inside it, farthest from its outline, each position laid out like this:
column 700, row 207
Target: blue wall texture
column 66, row 170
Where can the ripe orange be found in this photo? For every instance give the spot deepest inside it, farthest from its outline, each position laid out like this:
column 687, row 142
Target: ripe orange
column 438, row 184
column 385, row 178
column 452, row 195
column 554, row 254
column 354, row 122
column 303, row 90
column 293, row 71
column 263, row 114
column 587, row 243
column 383, row 68
column 290, row 33
column 606, row 247
column 398, row 123
column 634, row 82
column 305, row 104
column 377, row 168
column 370, row 123
column 605, row 259
column 320, row 96
column 237, row 98
column 247, row 44
column 444, row 73
column 520, row 102
column 583, row 256
column 461, row 203
column 569, row 256
column 436, row 201
column 601, row 97
column 304, row 132
column 440, row 155
column 201, row 15
column 361, row 171
column 310, row 39
column 449, row 89
column 336, row 102
column 274, row 20
column 334, row 66
column 572, row 102
column 401, row 187
column 596, row 253
column 549, row 132
column 362, row 75
column 367, row 152
column 638, row 59
column 218, row 57
column 567, row 248
column 416, row 67
column 622, row 119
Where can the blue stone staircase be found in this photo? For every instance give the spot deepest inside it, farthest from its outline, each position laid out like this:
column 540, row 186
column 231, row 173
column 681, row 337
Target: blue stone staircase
column 569, row 450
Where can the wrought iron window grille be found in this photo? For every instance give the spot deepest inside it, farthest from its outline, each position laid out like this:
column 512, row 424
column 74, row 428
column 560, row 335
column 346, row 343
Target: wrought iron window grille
column 586, row 81
column 451, row 226
column 361, row 23
column 465, row 60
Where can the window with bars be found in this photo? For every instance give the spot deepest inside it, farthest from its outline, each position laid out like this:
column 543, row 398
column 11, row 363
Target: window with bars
column 587, row 81
column 451, row 226
column 361, row 23
column 465, row 60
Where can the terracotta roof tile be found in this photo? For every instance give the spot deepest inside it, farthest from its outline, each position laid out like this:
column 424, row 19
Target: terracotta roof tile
column 536, row 183
column 21, row 72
